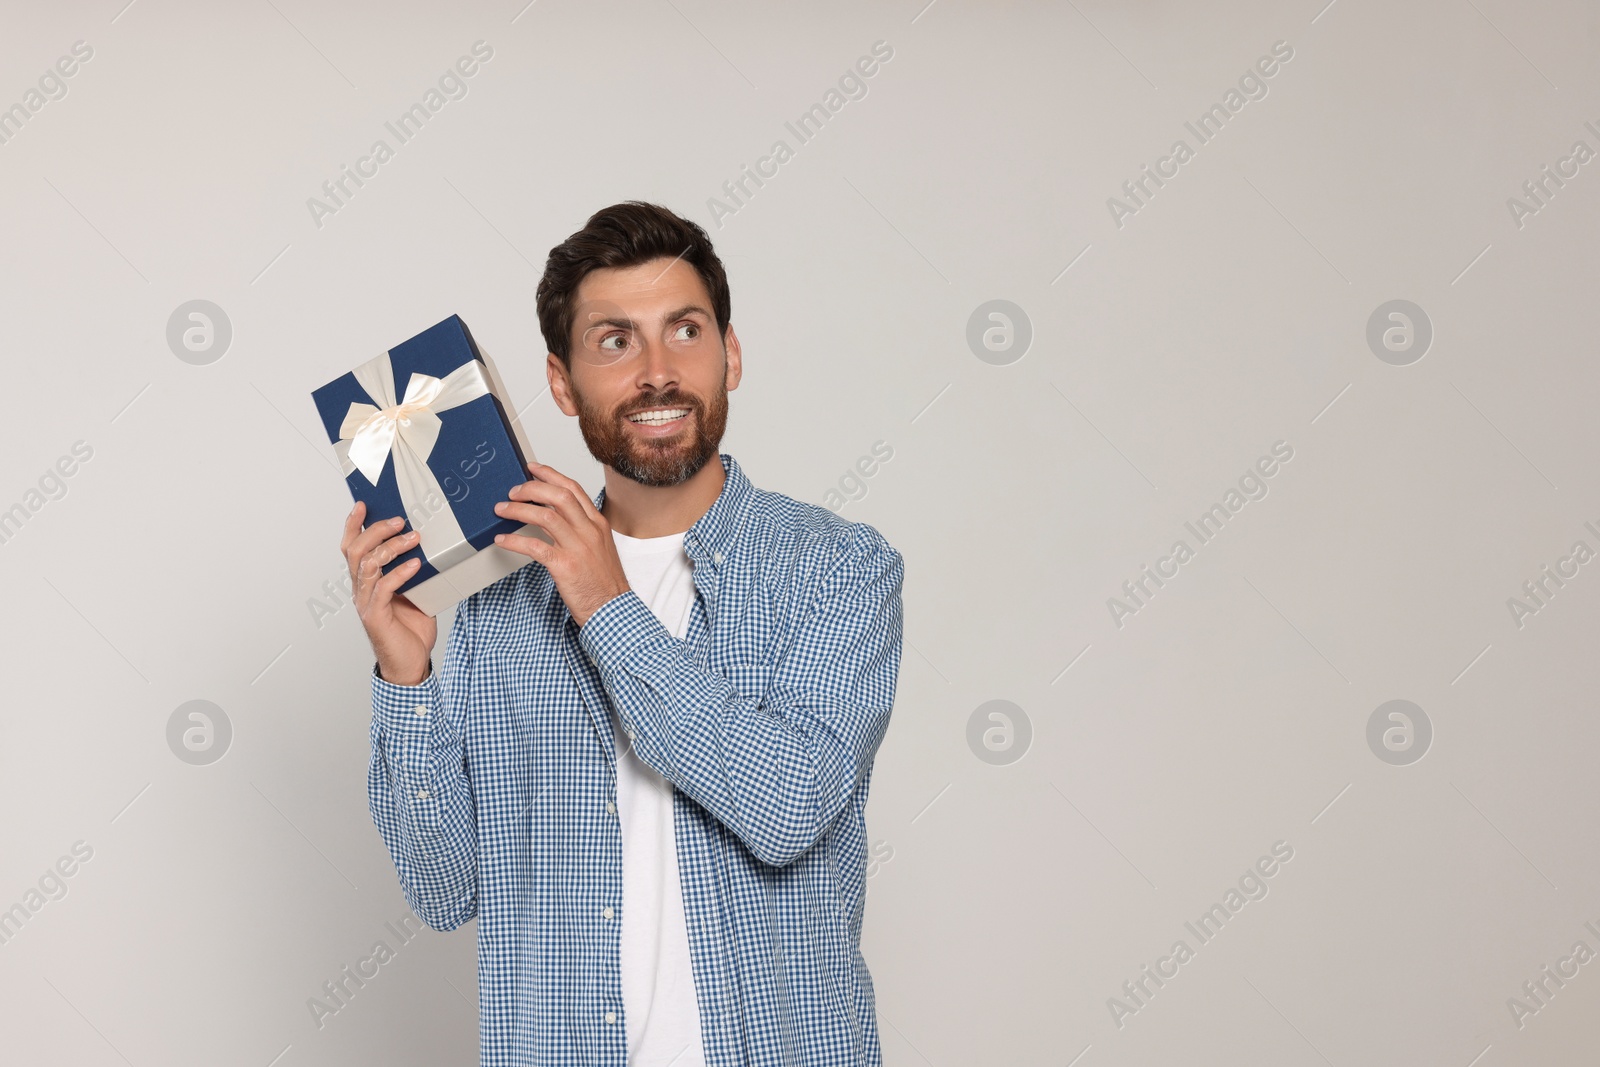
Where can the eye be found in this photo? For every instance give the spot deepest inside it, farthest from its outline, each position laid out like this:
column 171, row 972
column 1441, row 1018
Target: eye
column 606, row 346
column 690, row 326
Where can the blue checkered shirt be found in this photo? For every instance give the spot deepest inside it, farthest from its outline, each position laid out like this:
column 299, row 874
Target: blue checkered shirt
column 493, row 783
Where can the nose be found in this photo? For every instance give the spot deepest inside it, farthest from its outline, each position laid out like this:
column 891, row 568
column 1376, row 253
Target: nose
column 656, row 365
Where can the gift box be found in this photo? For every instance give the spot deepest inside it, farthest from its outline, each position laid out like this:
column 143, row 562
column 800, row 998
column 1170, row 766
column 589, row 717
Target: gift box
column 427, row 431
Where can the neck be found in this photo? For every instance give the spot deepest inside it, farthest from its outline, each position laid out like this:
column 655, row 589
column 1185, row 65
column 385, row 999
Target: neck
column 635, row 510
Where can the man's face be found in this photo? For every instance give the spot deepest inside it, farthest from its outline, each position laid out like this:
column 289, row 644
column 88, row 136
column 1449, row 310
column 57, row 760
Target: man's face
column 644, row 342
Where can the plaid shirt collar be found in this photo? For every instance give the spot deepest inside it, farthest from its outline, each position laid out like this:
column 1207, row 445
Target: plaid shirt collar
column 710, row 538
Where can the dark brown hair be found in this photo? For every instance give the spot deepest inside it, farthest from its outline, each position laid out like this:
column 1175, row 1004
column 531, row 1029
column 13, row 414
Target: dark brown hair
column 623, row 235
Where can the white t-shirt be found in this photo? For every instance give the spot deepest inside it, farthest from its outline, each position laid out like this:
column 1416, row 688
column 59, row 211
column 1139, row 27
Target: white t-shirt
column 658, row 997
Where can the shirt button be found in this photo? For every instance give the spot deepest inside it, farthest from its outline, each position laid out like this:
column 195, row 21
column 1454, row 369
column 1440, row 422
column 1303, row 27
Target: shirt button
column 420, row 710
column 716, row 557
column 632, row 736
column 422, row 794
column 611, row 807
column 611, row 1016
column 607, row 912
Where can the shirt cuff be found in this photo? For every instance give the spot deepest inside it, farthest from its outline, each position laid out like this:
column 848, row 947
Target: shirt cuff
column 407, row 706
column 624, row 632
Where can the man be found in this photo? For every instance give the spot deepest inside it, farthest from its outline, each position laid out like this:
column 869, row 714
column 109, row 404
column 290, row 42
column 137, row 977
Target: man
column 643, row 763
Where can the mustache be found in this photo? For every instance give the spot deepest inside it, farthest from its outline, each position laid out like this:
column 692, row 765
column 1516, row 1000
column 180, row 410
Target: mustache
column 674, row 400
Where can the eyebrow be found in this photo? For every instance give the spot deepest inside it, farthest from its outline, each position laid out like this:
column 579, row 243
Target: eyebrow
column 672, row 316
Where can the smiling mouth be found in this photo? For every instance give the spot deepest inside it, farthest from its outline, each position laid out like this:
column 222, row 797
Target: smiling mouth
column 658, row 416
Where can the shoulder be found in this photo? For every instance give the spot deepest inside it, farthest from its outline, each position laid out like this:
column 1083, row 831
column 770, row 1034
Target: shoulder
column 810, row 545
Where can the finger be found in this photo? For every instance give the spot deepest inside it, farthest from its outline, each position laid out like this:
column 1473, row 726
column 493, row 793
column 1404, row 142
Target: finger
column 376, row 594
column 364, row 574
column 396, row 546
column 370, row 569
column 540, row 492
column 532, row 547
column 369, row 538
column 565, row 496
column 556, row 477
column 352, row 526
column 549, row 519
column 385, row 587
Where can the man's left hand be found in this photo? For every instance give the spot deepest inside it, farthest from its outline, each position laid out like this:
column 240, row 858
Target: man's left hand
column 583, row 560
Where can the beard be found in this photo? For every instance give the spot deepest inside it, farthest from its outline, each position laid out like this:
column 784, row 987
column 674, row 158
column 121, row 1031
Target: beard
column 656, row 461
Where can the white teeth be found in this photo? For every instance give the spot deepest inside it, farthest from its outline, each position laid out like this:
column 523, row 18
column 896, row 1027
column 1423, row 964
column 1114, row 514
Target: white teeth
column 656, row 418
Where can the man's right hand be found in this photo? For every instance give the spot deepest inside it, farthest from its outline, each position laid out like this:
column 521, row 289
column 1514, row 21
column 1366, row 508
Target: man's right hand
column 402, row 635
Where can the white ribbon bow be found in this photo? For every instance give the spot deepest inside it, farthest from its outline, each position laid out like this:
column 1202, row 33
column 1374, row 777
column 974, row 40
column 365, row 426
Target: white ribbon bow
column 408, row 430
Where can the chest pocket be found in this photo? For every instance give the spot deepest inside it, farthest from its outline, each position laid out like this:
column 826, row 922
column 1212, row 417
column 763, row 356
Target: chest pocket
column 751, row 680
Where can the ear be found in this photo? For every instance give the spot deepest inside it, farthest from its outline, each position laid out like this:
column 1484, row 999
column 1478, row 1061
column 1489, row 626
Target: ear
column 735, row 359
column 560, row 387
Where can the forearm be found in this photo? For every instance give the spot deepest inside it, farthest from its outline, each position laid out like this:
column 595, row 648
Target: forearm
column 748, row 768
column 777, row 756
column 421, row 800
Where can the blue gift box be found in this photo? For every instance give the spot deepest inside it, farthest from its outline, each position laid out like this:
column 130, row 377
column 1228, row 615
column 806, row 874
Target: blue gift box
column 426, row 431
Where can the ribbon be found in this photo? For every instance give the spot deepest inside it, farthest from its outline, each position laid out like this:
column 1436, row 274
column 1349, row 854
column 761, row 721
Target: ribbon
column 408, row 430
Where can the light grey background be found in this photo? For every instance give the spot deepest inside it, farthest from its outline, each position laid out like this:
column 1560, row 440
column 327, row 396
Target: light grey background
column 1011, row 900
